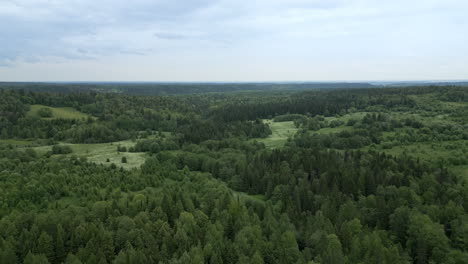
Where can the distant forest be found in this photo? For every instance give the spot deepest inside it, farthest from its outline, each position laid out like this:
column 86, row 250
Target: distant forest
column 198, row 88
column 174, row 88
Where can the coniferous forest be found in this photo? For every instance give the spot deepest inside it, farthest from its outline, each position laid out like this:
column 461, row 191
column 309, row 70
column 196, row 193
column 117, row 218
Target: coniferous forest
column 349, row 175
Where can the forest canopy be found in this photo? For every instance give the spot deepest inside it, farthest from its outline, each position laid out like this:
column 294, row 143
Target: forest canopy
column 361, row 175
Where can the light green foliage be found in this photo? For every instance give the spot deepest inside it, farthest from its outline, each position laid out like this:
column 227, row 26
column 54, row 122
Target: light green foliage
column 45, row 112
column 461, row 170
column 331, row 130
column 440, row 140
column 35, row 259
column 426, row 239
column 57, row 112
column 345, row 118
column 16, row 142
column 99, row 153
column 280, row 132
column 453, row 154
column 44, row 245
column 333, row 253
column 430, row 151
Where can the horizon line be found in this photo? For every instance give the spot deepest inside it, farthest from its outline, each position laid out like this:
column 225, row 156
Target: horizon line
column 247, row 82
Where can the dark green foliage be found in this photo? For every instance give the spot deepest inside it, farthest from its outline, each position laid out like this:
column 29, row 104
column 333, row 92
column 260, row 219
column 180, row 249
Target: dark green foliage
column 174, row 88
column 44, row 112
column 209, row 193
column 121, row 149
column 288, row 117
column 154, row 145
column 59, row 149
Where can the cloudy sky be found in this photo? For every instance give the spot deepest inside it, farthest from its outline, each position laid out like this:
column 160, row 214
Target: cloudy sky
column 232, row 40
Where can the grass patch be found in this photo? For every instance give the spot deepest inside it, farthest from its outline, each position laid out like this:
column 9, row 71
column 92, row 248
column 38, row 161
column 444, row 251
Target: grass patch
column 99, row 153
column 57, row 112
column 249, row 197
column 280, row 132
column 258, row 197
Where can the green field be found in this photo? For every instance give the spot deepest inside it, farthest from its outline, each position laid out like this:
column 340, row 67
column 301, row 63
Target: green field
column 57, row 112
column 344, row 118
column 434, row 153
column 280, row 132
column 99, row 153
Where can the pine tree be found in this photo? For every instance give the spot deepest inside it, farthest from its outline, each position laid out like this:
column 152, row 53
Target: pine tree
column 7, row 253
column 257, row 258
column 287, row 249
column 72, row 259
column 35, row 259
column 60, row 251
column 333, row 253
column 45, row 246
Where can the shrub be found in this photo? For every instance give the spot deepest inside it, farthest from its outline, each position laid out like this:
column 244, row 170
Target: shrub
column 57, row 149
column 45, row 112
column 121, row 149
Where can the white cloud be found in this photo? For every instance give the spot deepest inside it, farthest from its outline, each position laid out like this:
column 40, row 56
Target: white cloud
column 219, row 35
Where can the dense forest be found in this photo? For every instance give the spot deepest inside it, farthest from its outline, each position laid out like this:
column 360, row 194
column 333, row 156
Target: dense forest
column 277, row 175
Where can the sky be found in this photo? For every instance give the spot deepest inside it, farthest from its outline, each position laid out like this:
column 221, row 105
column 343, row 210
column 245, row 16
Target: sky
column 232, row 40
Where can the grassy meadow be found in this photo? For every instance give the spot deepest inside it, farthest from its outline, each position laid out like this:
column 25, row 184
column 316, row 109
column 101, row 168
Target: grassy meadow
column 99, row 153
column 57, row 112
column 280, row 132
